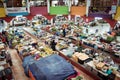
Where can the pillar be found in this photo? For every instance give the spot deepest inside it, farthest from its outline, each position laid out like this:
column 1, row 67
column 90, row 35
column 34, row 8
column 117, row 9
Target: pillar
column 28, row 6
column 48, row 6
column 88, row 3
column 69, row 4
column 5, row 7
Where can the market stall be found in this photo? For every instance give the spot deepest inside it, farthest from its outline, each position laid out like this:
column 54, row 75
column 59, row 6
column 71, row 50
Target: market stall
column 39, row 20
column 5, row 63
column 18, row 21
column 96, row 27
column 3, row 25
column 59, row 20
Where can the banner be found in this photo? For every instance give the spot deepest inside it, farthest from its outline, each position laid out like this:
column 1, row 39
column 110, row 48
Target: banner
column 113, row 8
column 59, row 10
column 16, row 10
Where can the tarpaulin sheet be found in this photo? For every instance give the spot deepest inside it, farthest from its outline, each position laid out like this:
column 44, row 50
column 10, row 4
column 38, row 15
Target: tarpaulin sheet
column 26, row 62
column 52, row 67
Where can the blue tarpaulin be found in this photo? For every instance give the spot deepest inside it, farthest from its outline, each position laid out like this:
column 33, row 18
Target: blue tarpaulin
column 52, row 67
column 26, row 62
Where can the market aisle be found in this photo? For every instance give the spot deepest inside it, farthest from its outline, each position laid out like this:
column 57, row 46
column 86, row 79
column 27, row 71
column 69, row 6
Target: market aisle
column 85, row 76
column 18, row 71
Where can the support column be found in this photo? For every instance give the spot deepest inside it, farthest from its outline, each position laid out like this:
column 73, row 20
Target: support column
column 5, row 7
column 48, row 6
column 88, row 3
column 28, row 6
column 69, row 4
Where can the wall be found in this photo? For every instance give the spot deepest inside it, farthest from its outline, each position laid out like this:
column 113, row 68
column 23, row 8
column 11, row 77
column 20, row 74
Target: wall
column 59, row 10
column 38, row 10
column 2, row 12
column 14, row 3
column 15, row 11
column 78, row 10
column 117, row 16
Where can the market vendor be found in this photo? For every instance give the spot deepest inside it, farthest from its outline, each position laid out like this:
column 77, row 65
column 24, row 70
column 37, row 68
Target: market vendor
column 53, row 45
column 34, row 44
column 2, row 22
column 8, row 59
column 64, row 32
column 72, row 31
column 2, row 55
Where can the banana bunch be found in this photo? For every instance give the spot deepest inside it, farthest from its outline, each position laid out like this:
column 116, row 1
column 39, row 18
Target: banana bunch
column 40, row 44
column 48, row 50
column 62, row 46
column 44, row 54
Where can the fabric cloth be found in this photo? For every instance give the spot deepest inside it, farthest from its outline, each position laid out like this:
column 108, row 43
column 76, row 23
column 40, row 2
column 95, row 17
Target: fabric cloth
column 26, row 62
column 52, row 67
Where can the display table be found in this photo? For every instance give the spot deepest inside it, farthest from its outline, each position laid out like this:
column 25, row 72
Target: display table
column 60, row 20
column 18, row 21
column 100, row 65
column 35, row 21
column 81, row 57
column 100, row 28
column 2, row 46
column 5, row 72
column 39, row 19
column 92, row 66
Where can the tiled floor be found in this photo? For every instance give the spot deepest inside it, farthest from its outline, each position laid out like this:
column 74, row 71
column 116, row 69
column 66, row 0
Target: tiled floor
column 18, row 71
column 85, row 77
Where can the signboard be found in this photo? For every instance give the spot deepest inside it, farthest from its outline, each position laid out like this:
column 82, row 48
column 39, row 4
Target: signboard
column 16, row 9
column 59, row 10
column 113, row 8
